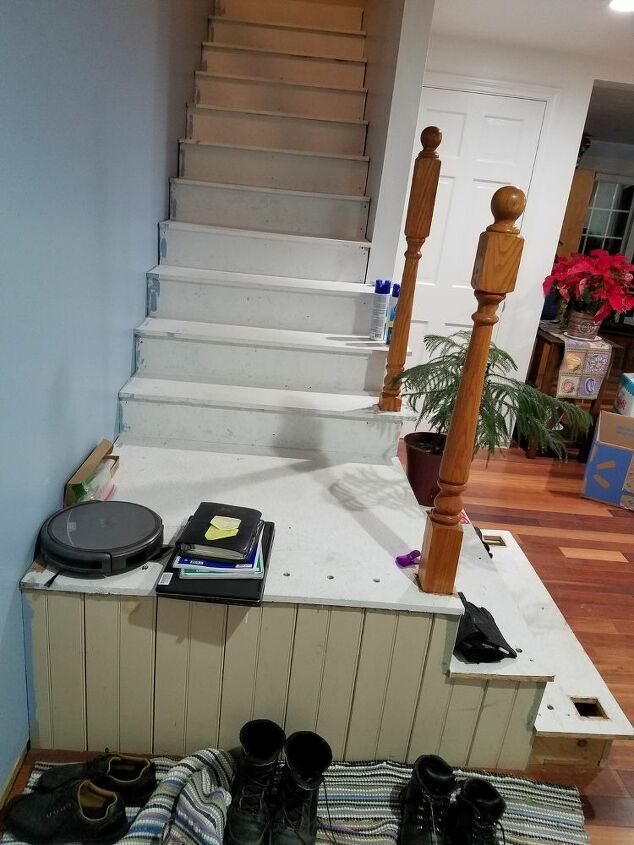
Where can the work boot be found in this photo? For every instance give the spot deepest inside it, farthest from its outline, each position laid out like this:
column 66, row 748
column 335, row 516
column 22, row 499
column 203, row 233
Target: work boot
column 133, row 778
column 307, row 758
column 475, row 814
column 425, row 802
column 248, row 816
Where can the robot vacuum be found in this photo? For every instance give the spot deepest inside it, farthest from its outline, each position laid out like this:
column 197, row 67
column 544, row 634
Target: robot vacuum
column 101, row 538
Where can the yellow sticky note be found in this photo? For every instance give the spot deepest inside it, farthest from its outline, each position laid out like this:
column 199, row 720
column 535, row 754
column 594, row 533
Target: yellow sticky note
column 225, row 523
column 214, row 533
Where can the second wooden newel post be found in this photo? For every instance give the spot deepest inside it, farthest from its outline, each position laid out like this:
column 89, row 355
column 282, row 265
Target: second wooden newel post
column 494, row 275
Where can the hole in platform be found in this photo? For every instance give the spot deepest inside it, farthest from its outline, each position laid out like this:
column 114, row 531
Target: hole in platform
column 377, row 580
column 589, row 708
column 286, row 574
column 549, row 707
column 519, row 650
column 330, row 577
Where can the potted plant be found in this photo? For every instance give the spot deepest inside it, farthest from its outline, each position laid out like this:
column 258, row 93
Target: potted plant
column 591, row 287
column 431, row 390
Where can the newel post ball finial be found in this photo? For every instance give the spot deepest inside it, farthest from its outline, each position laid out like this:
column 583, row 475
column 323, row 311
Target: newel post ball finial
column 430, row 138
column 507, row 204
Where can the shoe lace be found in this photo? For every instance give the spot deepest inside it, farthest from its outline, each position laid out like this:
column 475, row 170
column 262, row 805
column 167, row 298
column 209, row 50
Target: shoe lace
column 437, row 813
column 253, row 789
column 60, row 804
column 484, row 831
column 292, row 810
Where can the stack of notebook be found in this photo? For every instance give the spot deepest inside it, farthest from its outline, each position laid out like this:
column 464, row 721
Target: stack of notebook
column 221, row 555
column 221, row 541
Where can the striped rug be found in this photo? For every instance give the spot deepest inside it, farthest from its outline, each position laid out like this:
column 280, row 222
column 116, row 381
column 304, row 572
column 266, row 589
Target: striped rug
column 359, row 805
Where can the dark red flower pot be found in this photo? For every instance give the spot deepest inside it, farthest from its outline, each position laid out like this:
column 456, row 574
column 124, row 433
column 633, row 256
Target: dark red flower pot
column 424, row 454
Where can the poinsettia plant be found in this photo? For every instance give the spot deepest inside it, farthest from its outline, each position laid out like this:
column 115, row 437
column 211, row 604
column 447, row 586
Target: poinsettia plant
column 598, row 283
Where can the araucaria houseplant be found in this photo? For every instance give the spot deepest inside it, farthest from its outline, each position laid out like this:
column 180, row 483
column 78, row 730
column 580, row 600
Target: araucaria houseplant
column 431, row 390
column 591, row 287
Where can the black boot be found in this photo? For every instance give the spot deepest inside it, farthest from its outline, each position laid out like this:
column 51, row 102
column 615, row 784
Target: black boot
column 476, row 814
column 425, row 802
column 248, row 816
column 307, row 758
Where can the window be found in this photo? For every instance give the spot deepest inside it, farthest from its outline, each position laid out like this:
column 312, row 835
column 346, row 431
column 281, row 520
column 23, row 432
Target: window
column 609, row 221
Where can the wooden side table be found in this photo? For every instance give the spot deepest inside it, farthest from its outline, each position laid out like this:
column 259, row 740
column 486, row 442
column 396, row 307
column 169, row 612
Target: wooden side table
column 543, row 372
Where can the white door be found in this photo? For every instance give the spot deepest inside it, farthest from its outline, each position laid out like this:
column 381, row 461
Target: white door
column 488, row 141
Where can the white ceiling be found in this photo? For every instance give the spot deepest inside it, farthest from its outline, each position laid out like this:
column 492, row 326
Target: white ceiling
column 584, row 27
column 611, row 113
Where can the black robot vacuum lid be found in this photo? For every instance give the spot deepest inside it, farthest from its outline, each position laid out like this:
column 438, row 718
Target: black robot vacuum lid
column 92, row 534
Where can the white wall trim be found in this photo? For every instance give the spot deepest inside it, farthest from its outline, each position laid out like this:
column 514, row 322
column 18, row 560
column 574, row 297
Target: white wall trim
column 481, row 85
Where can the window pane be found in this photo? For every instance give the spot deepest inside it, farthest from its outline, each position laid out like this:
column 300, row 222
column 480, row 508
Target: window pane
column 593, row 243
column 618, row 220
column 626, row 194
column 598, row 222
column 604, row 194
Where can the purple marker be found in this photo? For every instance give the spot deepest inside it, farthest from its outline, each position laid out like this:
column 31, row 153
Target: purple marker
column 409, row 559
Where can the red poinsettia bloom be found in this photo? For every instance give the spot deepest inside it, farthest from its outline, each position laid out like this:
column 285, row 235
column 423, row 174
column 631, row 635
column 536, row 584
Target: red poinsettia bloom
column 598, row 283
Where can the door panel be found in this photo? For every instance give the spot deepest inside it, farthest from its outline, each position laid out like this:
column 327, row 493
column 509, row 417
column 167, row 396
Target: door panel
column 488, row 141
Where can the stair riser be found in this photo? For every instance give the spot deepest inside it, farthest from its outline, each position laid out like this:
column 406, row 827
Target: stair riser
column 275, row 309
column 259, row 366
column 269, row 212
column 281, row 11
column 282, row 133
column 263, row 256
column 273, row 170
column 269, row 95
column 235, row 428
column 220, row 59
column 338, row 45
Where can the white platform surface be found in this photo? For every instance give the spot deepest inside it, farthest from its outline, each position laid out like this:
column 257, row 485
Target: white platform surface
column 575, row 674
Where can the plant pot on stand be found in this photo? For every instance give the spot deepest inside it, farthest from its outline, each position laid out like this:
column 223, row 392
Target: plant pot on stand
column 581, row 326
column 424, row 454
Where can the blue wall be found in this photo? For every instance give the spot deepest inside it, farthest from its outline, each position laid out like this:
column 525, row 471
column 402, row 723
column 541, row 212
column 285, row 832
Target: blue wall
column 92, row 96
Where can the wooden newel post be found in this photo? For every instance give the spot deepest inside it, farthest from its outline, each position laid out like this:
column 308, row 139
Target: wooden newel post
column 494, row 275
column 420, row 211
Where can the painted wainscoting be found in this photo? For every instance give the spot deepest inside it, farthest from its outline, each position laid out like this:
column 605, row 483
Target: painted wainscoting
column 165, row 676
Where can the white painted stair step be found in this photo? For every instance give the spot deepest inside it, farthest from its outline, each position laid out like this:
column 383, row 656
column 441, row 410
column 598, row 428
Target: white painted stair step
column 336, row 43
column 279, row 95
column 269, row 209
column 294, row 170
column 257, row 419
column 269, row 64
column 298, row 12
column 277, row 130
column 251, row 300
column 263, row 253
column 261, row 357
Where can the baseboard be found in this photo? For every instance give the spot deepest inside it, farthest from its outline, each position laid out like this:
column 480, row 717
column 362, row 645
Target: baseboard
column 6, row 789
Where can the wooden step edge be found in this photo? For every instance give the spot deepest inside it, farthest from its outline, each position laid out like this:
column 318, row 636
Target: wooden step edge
column 261, row 80
column 235, row 231
column 300, row 26
column 302, row 55
column 275, row 150
column 282, row 114
column 258, row 189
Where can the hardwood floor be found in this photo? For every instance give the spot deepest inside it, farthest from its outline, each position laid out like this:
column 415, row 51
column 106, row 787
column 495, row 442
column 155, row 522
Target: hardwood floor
column 584, row 553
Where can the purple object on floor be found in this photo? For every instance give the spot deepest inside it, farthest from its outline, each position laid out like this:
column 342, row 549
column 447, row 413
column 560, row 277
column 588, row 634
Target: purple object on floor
column 409, row 559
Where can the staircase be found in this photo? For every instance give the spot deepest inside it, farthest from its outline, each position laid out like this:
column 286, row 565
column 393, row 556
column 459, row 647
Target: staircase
column 258, row 316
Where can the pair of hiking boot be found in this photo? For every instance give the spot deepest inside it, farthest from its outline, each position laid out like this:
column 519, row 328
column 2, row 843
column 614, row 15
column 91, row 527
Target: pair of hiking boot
column 437, row 810
column 273, row 805
column 82, row 802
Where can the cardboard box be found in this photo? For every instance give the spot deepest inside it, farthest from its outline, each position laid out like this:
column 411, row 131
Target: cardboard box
column 624, row 402
column 610, row 469
column 101, row 453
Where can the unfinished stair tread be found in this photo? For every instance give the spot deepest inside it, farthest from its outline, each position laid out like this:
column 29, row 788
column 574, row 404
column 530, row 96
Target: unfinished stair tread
column 274, row 150
column 280, row 114
column 280, row 192
column 278, row 52
column 282, row 25
column 478, row 578
column 575, row 674
column 336, row 531
column 222, row 277
column 361, row 406
column 260, row 80
column 256, row 233
column 258, row 336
